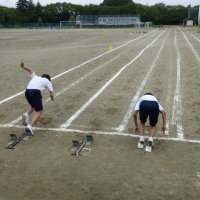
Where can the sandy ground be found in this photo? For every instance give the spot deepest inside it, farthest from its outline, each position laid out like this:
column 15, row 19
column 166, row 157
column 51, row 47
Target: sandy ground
column 95, row 92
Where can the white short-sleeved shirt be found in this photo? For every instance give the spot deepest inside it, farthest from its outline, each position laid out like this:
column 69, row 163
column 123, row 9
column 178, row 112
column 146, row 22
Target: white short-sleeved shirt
column 147, row 98
column 39, row 83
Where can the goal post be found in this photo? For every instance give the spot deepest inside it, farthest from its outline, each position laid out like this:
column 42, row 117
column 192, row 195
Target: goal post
column 70, row 24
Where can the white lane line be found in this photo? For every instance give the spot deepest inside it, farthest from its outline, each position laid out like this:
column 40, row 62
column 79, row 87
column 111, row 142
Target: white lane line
column 99, row 56
column 78, row 112
column 128, row 114
column 64, row 130
column 169, row 92
column 78, row 66
column 173, row 119
column 5, row 37
column 11, row 97
column 194, row 36
column 192, row 48
column 97, row 45
column 198, row 179
column 177, row 107
column 72, row 84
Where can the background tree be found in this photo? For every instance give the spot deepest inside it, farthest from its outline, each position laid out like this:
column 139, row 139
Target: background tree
column 38, row 12
column 54, row 13
column 8, row 16
column 22, row 10
column 30, row 11
column 22, row 6
column 27, row 12
column 116, row 2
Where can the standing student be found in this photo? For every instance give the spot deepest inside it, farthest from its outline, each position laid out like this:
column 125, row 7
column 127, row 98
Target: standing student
column 148, row 106
column 34, row 96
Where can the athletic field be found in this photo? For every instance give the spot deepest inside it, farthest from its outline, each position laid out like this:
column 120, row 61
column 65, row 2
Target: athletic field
column 98, row 75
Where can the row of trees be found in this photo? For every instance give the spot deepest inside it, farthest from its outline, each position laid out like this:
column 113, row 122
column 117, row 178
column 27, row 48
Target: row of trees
column 28, row 12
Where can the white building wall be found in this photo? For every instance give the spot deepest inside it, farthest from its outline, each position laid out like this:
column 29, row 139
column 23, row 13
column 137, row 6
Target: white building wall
column 118, row 20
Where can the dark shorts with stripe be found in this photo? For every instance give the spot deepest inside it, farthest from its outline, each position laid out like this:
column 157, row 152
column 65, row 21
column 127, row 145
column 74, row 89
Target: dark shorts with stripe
column 149, row 109
column 34, row 98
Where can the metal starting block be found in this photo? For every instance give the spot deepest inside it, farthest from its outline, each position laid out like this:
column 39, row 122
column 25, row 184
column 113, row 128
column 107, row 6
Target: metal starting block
column 140, row 145
column 15, row 140
column 76, row 143
column 78, row 146
column 146, row 146
column 148, row 149
column 89, row 140
column 13, row 136
column 149, row 146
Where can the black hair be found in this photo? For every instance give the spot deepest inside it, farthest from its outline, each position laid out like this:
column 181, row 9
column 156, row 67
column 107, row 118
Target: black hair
column 46, row 76
column 148, row 93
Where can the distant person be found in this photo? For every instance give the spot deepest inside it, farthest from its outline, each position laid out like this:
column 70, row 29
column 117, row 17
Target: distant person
column 148, row 106
column 34, row 97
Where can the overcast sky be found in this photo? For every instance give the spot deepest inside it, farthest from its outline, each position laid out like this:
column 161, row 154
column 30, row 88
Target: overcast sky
column 11, row 3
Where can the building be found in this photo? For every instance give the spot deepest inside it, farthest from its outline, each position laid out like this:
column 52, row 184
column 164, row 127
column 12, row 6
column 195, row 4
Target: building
column 108, row 20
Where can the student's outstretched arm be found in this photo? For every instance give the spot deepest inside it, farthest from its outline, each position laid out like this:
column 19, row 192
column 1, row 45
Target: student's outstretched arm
column 28, row 69
column 51, row 95
column 163, row 120
column 135, row 114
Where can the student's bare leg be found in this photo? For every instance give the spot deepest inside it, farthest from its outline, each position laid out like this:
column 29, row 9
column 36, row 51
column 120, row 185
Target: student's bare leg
column 36, row 117
column 30, row 110
column 142, row 127
column 26, row 116
column 153, row 131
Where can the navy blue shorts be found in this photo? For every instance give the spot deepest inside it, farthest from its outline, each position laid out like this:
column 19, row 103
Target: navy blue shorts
column 149, row 109
column 34, row 98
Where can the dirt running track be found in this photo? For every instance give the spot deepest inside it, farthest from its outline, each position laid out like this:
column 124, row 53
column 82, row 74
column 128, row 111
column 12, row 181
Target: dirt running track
column 96, row 90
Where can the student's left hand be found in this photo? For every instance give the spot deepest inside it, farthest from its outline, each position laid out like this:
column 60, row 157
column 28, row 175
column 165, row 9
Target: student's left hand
column 137, row 129
column 163, row 129
column 52, row 98
column 22, row 64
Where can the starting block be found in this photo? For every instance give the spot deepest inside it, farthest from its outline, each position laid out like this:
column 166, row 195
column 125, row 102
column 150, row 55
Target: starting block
column 140, row 145
column 78, row 146
column 146, row 146
column 89, row 140
column 148, row 149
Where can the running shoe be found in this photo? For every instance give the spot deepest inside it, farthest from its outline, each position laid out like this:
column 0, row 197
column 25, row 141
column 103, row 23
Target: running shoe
column 150, row 142
column 29, row 129
column 25, row 119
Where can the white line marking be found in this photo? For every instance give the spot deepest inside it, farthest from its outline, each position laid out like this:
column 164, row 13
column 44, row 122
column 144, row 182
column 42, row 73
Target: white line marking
column 5, row 37
column 177, row 108
column 169, row 93
column 78, row 112
column 128, row 114
column 194, row 36
column 11, row 97
column 72, row 84
column 78, row 66
column 64, row 130
column 192, row 48
column 198, row 177
column 97, row 45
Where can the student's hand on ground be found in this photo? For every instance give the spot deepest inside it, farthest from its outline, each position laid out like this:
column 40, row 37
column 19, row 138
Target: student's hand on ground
column 52, row 98
column 22, row 64
column 136, row 129
column 163, row 129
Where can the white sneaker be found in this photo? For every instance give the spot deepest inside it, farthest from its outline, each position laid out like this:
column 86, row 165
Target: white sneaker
column 150, row 142
column 141, row 139
column 29, row 129
column 25, row 119
column 140, row 144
